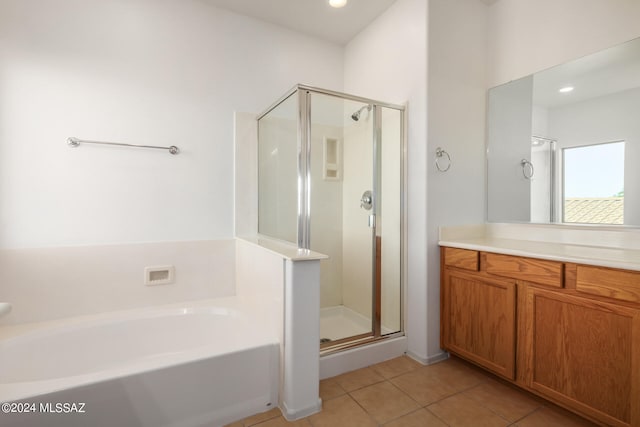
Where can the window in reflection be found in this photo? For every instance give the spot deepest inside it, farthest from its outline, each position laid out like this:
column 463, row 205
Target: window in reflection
column 589, row 197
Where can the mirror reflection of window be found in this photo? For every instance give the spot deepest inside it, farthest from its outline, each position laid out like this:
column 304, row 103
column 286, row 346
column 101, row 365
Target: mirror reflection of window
column 594, row 198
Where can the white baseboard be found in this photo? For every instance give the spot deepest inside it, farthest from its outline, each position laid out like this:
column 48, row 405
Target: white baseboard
column 431, row 359
column 292, row 415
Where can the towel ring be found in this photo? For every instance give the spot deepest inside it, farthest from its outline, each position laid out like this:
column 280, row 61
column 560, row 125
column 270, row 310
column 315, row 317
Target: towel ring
column 526, row 164
column 440, row 153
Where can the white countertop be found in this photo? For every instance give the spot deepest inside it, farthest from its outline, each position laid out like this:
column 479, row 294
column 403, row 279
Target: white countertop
column 285, row 249
column 605, row 256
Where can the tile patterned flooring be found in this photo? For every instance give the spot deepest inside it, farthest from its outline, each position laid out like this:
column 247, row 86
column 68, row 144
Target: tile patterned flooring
column 403, row 393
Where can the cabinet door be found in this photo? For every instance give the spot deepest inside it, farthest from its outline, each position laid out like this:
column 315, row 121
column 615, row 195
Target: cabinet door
column 479, row 319
column 585, row 354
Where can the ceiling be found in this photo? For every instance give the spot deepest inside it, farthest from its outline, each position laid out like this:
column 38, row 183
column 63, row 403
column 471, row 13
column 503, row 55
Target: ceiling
column 609, row 71
column 313, row 17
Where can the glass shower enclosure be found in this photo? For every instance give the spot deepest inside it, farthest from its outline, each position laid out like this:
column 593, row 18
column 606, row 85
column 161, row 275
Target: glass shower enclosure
column 331, row 178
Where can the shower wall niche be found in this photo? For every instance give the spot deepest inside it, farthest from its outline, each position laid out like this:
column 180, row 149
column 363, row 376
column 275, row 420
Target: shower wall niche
column 331, row 179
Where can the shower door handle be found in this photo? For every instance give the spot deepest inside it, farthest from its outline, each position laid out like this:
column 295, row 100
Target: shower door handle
column 366, row 202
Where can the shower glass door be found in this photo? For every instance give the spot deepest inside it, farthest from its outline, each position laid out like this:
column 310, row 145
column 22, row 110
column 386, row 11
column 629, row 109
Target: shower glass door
column 331, row 179
column 342, row 213
column 543, row 183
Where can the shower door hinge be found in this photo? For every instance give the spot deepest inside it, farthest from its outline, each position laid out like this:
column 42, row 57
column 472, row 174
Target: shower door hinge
column 372, row 221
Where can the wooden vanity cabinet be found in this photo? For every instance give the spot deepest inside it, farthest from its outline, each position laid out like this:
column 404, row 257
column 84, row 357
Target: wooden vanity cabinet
column 480, row 313
column 567, row 332
column 584, row 354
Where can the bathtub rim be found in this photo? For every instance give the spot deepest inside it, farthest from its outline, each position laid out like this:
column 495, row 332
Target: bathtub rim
column 15, row 391
column 235, row 302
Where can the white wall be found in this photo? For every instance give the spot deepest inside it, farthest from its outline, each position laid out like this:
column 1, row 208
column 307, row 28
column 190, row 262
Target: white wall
column 52, row 283
column 539, row 121
column 526, row 36
column 246, row 174
column 469, row 50
column 260, row 280
column 157, row 72
column 456, row 111
column 387, row 61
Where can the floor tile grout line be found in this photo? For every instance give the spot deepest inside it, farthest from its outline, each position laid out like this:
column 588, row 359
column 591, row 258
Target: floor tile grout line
column 364, row 386
column 450, row 395
column 363, row 408
column 557, row 408
column 337, row 384
column 405, row 393
column 377, row 364
column 437, row 416
column 414, row 411
column 261, row 421
column 462, row 392
column 481, row 379
column 400, row 416
column 541, row 405
column 334, row 397
column 493, row 410
column 402, row 373
column 384, row 378
column 539, row 408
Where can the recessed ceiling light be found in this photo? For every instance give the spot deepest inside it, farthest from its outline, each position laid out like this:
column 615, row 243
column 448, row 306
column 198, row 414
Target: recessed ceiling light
column 337, row 3
column 566, row 89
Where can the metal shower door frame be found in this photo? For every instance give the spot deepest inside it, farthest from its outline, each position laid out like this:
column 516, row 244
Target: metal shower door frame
column 304, row 189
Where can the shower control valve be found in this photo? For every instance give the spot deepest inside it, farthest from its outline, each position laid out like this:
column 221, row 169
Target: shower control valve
column 366, row 202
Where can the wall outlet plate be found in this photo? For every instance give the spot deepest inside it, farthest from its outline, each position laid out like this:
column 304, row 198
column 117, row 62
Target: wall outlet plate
column 159, row 275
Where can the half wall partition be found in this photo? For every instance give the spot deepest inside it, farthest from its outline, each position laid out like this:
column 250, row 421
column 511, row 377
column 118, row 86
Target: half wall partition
column 331, row 178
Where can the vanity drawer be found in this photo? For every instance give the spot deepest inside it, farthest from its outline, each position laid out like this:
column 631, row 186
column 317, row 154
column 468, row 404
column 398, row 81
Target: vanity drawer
column 461, row 258
column 622, row 285
column 529, row 269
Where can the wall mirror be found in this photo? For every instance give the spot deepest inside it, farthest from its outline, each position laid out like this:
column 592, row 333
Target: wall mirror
column 564, row 144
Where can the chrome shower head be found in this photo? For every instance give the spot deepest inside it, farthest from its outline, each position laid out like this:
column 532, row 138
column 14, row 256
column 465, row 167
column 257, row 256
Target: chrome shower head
column 356, row 116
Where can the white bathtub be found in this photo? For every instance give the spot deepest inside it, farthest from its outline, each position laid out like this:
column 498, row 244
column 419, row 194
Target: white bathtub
column 208, row 363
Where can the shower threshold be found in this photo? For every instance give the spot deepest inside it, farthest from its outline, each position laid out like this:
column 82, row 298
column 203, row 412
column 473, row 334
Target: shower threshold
column 340, row 322
column 342, row 328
